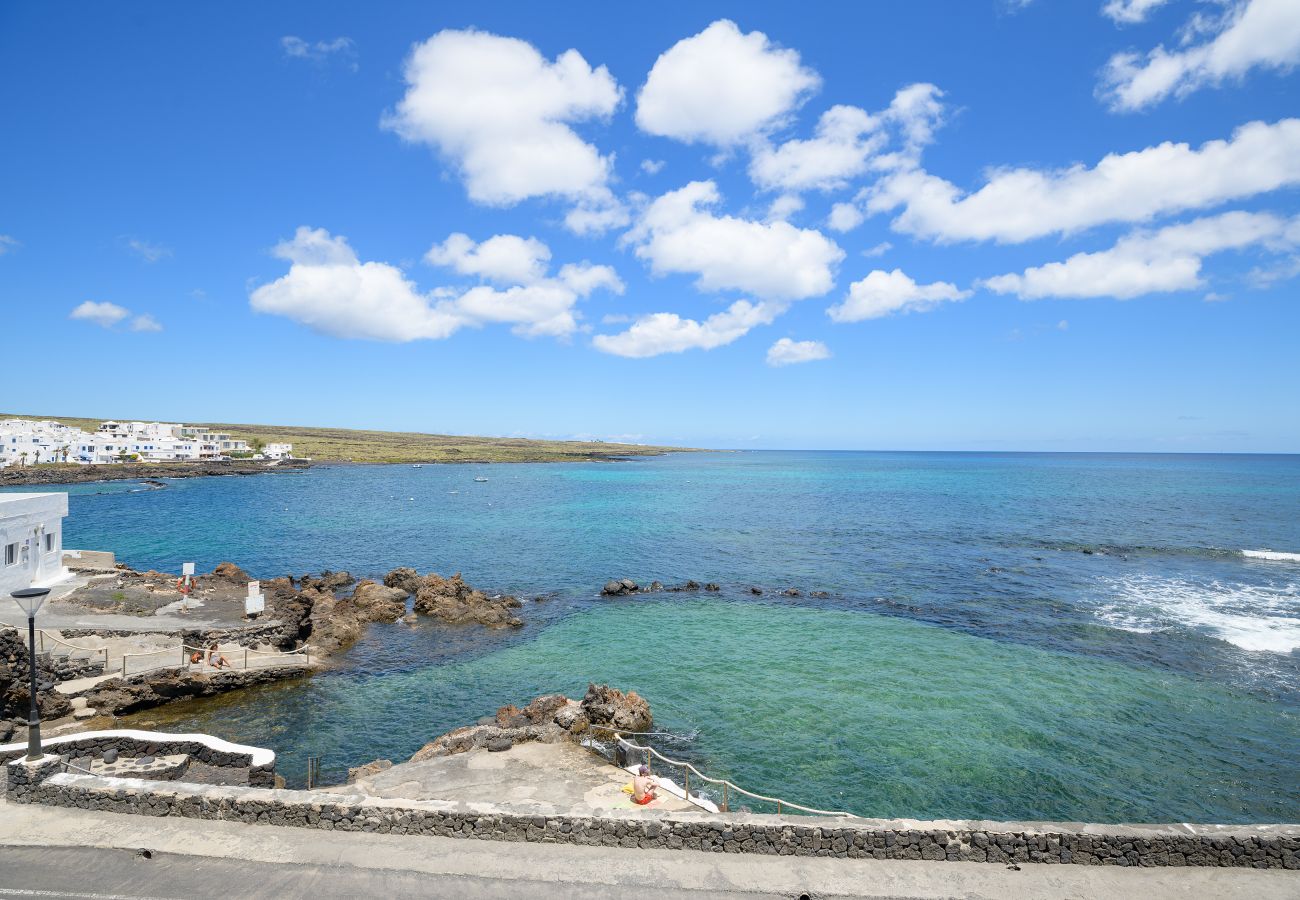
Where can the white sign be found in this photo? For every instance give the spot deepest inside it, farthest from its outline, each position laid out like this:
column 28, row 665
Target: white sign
column 187, row 568
column 256, row 601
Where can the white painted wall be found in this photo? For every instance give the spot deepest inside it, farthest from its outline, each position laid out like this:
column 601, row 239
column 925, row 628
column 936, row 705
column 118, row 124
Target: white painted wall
column 31, row 539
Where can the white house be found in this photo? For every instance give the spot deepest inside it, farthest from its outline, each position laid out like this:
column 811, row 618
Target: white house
column 278, row 451
column 31, row 540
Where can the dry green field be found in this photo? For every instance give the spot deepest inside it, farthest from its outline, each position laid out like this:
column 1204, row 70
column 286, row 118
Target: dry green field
column 348, row 445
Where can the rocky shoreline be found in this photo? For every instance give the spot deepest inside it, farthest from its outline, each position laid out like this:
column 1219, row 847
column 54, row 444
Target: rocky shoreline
column 67, row 473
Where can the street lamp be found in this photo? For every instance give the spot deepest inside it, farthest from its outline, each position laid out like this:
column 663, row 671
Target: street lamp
column 30, row 600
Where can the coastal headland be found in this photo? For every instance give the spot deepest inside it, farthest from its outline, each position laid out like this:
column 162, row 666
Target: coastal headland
column 337, row 445
column 72, row 473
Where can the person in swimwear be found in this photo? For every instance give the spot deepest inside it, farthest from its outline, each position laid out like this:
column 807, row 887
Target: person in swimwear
column 217, row 659
column 644, row 786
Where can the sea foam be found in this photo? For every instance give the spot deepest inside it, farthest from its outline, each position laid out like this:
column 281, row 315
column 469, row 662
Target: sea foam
column 1274, row 555
column 1253, row 617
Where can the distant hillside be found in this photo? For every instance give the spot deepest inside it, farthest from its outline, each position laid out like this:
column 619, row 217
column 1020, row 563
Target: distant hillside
column 342, row 444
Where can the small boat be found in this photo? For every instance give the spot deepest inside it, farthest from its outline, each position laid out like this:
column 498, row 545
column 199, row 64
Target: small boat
column 480, row 478
column 417, row 466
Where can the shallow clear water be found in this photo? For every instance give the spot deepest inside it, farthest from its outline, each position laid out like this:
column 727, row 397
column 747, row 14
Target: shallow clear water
column 1008, row 635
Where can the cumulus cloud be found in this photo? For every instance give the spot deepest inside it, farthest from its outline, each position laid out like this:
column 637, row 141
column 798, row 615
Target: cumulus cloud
column 501, row 113
column 147, row 251
column 774, row 260
column 103, row 314
column 845, row 138
column 1150, row 262
column 783, row 207
column 504, row 258
column 1017, row 205
column 845, row 217
column 786, row 352
column 7, row 243
column 320, row 51
column 1130, row 12
column 331, row 291
column 722, row 87
column 666, row 332
column 1251, row 34
column 652, row 166
column 145, row 322
column 883, row 293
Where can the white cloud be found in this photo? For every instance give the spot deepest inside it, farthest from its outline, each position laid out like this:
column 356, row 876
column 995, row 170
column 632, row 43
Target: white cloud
column 783, row 207
column 845, row 138
column 331, row 291
column 7, row 243
column 1021, row 204
column 664, row 332
column 319, row 51
column 878, row 250
column 722, row 87
column 501, row 113
column 848, row 142
column 504, row 258
column 773, row 260
column 845, row 217
column 1250, row 34
column 1150, row 262
column 145, row 322
column 652, row 166
column 102, row 314
column 786, row 352
column 883, row 293
column 1130, row 12
column 147, row 251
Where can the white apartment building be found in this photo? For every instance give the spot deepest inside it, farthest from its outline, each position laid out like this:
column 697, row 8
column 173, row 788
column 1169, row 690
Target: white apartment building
column 31, row 540
column 25, row 442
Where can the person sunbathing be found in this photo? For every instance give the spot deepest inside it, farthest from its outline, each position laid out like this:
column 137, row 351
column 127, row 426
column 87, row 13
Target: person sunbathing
column 216, row 659
column 644, row 786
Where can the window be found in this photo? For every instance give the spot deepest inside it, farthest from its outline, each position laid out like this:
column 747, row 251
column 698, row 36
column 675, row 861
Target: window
column 11, row 554
column 49, row 541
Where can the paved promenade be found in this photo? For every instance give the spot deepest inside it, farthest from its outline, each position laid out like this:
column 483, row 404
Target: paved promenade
column 73, row 852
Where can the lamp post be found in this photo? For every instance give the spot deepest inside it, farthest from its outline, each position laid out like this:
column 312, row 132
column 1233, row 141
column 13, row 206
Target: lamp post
column 30, row 600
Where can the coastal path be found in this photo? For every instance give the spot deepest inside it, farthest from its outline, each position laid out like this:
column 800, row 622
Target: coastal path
column 50, row 851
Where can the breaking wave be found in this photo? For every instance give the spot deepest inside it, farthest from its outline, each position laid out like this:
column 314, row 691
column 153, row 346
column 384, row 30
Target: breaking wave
column 1253, row 617
column 1272, row 555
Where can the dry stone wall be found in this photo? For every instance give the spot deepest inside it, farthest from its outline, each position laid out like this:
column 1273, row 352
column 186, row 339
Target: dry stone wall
column 1260, row 847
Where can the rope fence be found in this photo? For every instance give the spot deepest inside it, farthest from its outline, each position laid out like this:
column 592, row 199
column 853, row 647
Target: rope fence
column 42, row 636
column 208, row 657
column 726, row 787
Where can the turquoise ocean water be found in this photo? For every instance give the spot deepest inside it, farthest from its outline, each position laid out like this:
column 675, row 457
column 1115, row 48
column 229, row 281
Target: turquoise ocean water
column 1026, row 636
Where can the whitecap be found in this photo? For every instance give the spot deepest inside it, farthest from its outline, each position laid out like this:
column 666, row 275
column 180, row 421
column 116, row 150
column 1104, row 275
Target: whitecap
column 1273, row 555
column 1253, row 617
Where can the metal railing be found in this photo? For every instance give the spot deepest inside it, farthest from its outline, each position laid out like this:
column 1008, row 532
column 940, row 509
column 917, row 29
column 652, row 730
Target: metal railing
column 42, row 636
column 727, row 787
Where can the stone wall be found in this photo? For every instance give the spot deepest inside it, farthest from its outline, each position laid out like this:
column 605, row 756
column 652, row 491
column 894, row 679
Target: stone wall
column 1274, row 846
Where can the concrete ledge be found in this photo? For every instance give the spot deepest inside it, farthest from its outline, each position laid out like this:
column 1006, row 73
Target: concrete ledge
column 1255, row 847
column 257, row 757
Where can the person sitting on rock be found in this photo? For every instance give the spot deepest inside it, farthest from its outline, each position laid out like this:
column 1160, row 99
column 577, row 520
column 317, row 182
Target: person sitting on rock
column 644, row 786
column 216, row 659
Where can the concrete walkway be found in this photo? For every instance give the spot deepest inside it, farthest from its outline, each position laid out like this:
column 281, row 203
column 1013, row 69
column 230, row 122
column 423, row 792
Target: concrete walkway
column 557, row 775
column 228, row 859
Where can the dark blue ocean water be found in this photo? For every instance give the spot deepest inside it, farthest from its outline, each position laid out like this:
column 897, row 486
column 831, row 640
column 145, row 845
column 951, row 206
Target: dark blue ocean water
column 1007, row 635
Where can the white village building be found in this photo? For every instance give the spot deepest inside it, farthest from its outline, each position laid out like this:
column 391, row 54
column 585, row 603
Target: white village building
column 278, row 451
column 31, row 540
column 26, row 442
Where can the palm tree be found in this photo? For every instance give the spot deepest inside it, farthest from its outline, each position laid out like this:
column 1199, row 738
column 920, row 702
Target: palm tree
column 37, row 453
column 64, row 452
column 22, row 458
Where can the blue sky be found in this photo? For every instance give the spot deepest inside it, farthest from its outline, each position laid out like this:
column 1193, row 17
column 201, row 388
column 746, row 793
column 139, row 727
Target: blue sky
column 978, row 225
